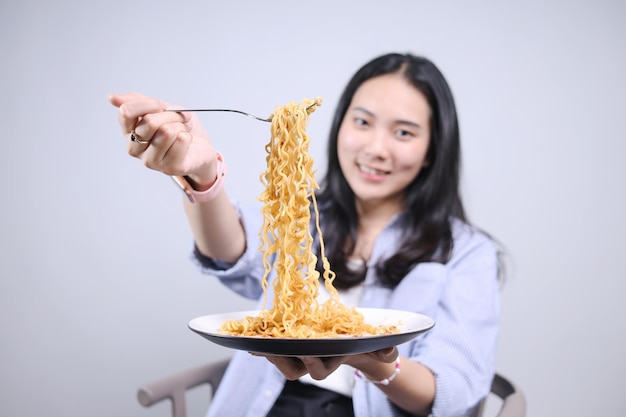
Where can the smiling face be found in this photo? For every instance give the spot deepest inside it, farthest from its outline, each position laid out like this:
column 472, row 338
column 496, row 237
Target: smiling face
column 383, row 140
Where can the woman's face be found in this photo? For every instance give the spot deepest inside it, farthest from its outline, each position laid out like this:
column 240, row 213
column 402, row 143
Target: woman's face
column 383, row 139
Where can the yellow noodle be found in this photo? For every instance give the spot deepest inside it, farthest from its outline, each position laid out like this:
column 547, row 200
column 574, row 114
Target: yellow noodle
column 289, row 190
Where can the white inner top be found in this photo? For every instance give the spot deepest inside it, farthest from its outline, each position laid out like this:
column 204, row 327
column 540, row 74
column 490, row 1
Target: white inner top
column 342, row 380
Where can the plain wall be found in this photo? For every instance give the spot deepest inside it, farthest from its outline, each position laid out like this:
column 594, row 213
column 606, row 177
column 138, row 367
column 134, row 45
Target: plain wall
column 96, row 287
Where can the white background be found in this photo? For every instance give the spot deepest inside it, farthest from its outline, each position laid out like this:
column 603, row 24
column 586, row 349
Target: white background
column 96, row 288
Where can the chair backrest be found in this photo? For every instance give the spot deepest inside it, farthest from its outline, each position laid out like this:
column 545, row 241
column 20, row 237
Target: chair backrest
column 176, row 386
column 513, row 401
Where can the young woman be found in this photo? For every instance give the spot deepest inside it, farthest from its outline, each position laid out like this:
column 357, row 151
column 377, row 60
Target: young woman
column 396, row 235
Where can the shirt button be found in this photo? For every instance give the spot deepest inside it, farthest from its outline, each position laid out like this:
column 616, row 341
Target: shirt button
column 267, row 393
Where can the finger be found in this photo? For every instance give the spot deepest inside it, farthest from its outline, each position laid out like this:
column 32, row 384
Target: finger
column 155, row 128
column 167, row 151
column 151, row 124
column 133, row 106
column 388, row 355
column 136, row 144
column 320, row 368
column 155, row 141
column 175, row 158
column 180, row 110
column 119, row 99
column 131, row 113
column 292, row 368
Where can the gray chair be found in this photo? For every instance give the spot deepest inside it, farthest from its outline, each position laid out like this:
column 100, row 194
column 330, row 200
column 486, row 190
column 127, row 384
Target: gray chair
column 175, row 387
column 511, row 398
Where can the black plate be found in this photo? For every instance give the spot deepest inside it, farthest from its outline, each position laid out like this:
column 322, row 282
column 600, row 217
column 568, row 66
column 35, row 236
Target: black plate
column 410, row 325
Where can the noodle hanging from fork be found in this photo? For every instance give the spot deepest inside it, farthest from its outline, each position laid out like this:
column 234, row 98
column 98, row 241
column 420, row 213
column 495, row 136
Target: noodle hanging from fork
column 286, row 234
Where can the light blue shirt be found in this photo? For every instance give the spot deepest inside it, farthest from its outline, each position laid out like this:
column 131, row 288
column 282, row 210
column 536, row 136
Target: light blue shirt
column 462, row 297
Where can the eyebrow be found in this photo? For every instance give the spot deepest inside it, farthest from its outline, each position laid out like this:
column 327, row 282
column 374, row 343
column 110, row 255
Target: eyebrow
column 400, row 121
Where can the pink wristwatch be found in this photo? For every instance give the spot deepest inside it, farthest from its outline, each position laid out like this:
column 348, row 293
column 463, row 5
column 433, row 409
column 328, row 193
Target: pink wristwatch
column 208, row 194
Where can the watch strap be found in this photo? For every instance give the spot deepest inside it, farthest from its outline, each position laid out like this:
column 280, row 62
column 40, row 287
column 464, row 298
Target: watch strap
column 210, row 193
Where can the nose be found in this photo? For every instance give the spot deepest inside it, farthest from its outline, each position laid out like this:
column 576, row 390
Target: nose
column 377, row 144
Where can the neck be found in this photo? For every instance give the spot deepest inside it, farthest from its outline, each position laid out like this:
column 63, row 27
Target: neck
column 374, row 217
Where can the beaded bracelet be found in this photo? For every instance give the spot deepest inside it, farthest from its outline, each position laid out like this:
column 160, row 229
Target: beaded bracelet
column 385, row 381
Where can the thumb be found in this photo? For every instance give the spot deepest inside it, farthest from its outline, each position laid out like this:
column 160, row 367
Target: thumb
column 116, row 99
column 119, row 99
column 387, row 355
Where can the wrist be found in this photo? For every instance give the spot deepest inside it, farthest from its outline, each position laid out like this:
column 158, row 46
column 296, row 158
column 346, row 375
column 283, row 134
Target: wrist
column 198, row 184
column 390, row 375
column 203, row 180
column 197, row 190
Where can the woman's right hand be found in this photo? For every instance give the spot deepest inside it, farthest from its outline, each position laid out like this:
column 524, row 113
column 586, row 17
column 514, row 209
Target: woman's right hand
column 175, row 142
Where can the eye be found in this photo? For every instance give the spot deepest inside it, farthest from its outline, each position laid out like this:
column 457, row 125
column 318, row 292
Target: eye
column 404, row 134
column 359, row 121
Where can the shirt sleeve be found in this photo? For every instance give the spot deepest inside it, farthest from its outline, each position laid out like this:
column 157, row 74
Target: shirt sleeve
column 461, row 349
column 244, row 276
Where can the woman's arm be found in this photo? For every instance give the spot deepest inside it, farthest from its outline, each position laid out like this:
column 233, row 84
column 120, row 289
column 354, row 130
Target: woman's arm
column 216, row 228
column 413, row 388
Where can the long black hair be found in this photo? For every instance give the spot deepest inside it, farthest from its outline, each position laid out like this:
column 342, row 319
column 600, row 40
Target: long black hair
column 432, row 199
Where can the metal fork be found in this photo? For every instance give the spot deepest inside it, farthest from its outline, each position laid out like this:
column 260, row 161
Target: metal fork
column 269, row 119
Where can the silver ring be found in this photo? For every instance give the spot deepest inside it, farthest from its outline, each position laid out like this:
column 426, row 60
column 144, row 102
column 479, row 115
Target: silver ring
column 134, row 137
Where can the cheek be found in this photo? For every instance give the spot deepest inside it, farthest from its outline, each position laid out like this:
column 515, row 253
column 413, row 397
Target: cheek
column 351, row 138
column 343, row 138
column 411, row 161
column 345, row 147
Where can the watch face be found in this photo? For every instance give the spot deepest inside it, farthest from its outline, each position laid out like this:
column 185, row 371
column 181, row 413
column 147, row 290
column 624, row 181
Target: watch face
column 181, row 182
column 185, row 187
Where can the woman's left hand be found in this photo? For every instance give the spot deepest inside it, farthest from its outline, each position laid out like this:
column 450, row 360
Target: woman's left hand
column 293, row 367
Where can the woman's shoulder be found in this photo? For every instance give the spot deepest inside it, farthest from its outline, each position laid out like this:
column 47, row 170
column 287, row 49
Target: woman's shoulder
column 470, row 239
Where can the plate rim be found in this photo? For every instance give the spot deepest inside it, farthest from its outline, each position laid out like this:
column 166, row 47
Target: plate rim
column 261, row 343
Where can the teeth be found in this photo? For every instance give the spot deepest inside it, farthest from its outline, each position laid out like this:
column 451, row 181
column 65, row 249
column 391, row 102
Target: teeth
column 369, row 170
